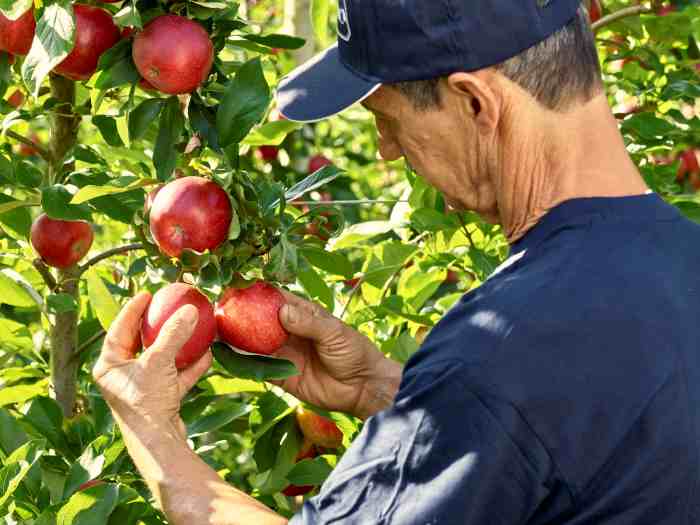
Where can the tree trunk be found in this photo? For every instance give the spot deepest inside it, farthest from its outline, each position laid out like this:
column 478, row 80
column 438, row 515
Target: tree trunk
column 297, row 22
column 64, row 332
column 64, row 126
column 64, row 342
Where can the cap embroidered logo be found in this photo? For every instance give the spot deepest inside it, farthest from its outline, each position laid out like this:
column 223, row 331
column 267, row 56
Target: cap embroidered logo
column 344, row 31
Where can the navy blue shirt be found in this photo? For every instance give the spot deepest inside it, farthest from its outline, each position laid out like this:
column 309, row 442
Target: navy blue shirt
column 564, row 390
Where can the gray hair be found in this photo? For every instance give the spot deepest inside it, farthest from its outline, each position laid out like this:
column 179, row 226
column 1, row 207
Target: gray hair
column 558, row 71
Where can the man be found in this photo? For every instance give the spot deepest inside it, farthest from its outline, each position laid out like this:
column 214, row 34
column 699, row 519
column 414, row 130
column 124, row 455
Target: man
column 564, row 390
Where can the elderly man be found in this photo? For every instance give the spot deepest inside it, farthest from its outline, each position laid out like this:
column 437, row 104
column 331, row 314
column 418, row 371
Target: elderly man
column 564, row 390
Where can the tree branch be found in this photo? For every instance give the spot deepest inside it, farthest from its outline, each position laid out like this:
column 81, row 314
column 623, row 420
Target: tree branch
column 24, row 140
column 619, row 15
column 45, row 274
column 119, row 250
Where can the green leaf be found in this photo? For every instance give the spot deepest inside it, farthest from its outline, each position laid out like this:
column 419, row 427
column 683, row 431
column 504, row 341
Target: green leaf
column 276, row 40
column 108, row 130
column 245, row 101
column 55, row 200
column 121, row 73
column 316, row 287
column 90, row 507
column 143, row 116
column 218, row 419
column 12, row 436
column 269, row 410
column 320, row 13
column 46, row 417
column 171, row 126
column 11, row 476
column 360, row 232
column 14, row 292
column 287, row 444
column 21, row 393
column 221, row 386
column 53, row 40
column 14, row 337
column 60, row 303
column 271, row 133
column 313, row 181
column 101, row 300
column 128, row 16
column 204, row 123
column 429, row 219
column 647, row 126
column 18, row 219
column 330, row 262
column 311, row 471
column 89, row 192
column 13, row 9
column 255, row 367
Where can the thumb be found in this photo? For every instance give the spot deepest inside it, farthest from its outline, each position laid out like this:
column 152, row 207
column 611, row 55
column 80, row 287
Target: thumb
column 173, row 335
column 311, row 323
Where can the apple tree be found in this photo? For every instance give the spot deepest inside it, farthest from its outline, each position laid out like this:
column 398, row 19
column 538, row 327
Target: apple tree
column 123, row 122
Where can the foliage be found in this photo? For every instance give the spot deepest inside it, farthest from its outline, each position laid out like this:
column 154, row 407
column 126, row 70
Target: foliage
column 366, row 238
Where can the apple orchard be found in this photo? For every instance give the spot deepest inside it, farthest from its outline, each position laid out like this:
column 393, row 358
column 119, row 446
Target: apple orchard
column 141, row 150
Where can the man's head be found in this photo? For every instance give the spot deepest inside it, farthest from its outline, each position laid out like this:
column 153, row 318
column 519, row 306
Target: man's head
column 471, row 88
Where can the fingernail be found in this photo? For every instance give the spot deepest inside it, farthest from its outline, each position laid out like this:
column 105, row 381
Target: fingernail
column 290, row 314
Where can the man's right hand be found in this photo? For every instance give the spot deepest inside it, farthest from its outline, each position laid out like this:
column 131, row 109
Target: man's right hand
column 341, row 369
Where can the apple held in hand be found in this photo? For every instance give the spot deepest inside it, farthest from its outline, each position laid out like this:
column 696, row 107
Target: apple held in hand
column 307, row 451
column 95, row 33
column 248, row 318
column 60, row 243
column 318, row 429
column 190, row 213
column 165, row 303
column 174, row 54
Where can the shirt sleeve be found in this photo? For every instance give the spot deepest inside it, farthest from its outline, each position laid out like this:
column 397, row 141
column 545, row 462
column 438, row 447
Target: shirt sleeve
column 443, row 454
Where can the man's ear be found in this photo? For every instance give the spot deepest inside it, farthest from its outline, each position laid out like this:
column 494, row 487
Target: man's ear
column 476, row 90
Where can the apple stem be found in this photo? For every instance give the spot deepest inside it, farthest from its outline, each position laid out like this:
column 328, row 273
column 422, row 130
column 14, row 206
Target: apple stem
column 119, row 250
column 619, row 15
column 64, row 341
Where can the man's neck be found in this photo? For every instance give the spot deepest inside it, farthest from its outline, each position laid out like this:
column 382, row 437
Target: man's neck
column 562, row 157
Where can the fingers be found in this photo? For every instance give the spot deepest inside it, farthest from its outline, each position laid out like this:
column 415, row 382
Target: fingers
column 308, row 320
column 173, row 335
column 190, row 375
column 124, row 336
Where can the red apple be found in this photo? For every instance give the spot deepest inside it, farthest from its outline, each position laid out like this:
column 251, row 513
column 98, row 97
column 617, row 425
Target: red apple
column 61, row 243
column 95, row 33
column 666, row 10
column 268, row 153
column 165, row 303
column 174, row 54
column 89, row 484
column 16, row 35
column 143, row 84
column 596, row 11
column 307, row 451
column 248, row 318
column 127, row 32
column 689, row 164
column 351, row 283
column 320, row 430
column 16, row 99
column 317, row 162
column 190, row 213
column 452, row 277
column 29, row 151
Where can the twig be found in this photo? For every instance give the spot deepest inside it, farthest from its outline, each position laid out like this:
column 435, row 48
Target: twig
column 24, row 140
column 348, row 202
column 45, row 274
column 110, row 253
column 619, row 15
column 95, row 337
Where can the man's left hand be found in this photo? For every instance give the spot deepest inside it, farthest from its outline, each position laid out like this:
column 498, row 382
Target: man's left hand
column 147, row 389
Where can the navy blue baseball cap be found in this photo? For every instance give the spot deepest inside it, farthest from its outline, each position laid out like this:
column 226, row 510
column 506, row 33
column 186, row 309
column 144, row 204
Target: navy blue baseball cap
column 388, row 41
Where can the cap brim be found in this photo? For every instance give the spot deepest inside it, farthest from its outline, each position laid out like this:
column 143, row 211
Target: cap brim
column 321, row 88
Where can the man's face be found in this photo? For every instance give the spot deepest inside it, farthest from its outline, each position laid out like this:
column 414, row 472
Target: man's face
column 440, row 145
